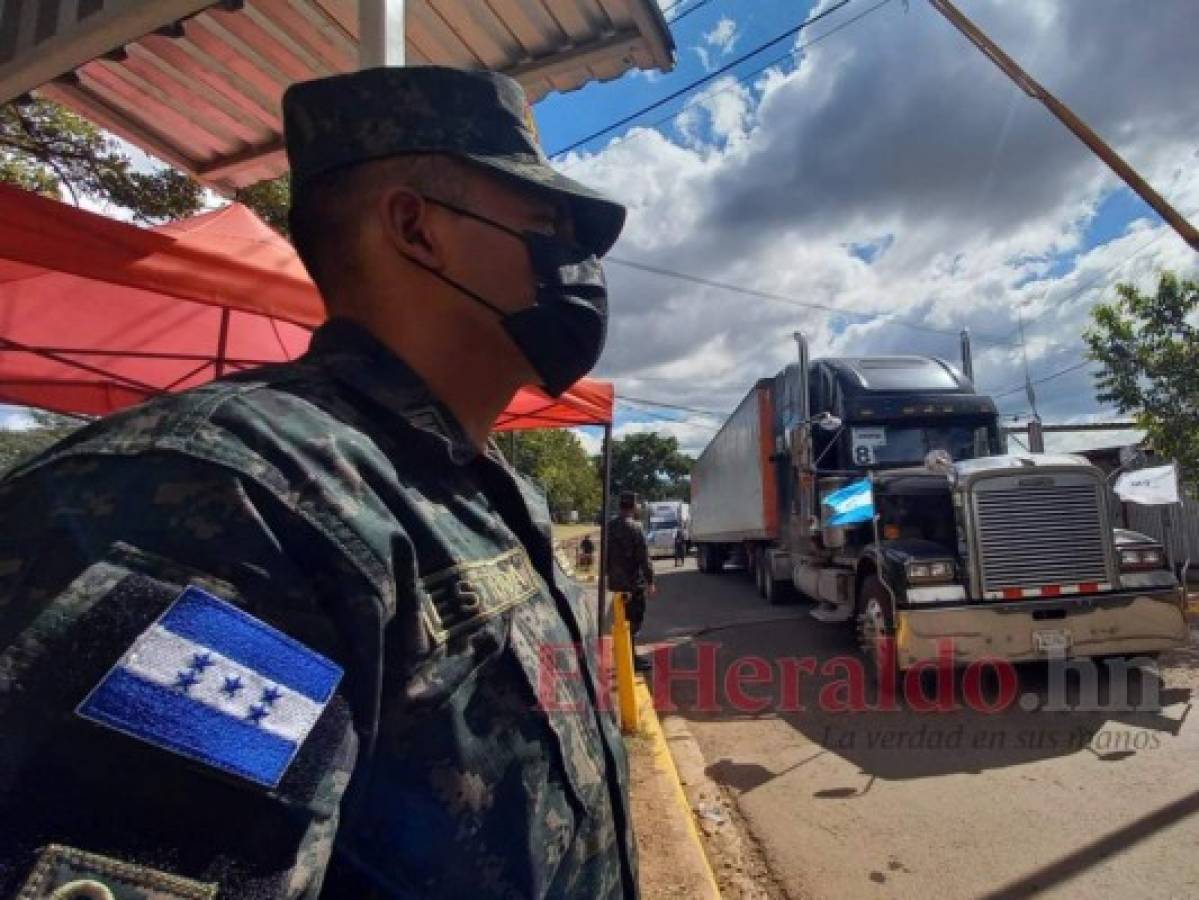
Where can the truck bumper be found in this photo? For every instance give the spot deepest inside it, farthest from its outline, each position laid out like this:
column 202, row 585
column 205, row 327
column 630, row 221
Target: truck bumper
column 1117, row 624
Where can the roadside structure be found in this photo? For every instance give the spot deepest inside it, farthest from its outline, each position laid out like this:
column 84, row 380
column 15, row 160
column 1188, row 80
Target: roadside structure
column 198, row 84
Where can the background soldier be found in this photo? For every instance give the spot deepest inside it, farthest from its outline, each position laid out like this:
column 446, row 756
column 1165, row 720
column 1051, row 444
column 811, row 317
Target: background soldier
column 630, row 570
column 347, row 695
column 586, row 553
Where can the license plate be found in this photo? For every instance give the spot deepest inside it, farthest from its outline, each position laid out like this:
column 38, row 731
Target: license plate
column 1055, row 641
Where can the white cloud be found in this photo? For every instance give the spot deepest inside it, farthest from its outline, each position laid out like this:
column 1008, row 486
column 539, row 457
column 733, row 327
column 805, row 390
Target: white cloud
column 16, row 418
column 723, row 35
column 704, row 59
column 692, row 435
column 897, row 127
column 592, row 439
column 722, row 111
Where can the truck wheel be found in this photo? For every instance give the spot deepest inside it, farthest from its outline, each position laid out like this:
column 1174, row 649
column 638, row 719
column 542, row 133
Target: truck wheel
column 761, row 575
column 777, row 593
column 704, row 558
column 876, row 631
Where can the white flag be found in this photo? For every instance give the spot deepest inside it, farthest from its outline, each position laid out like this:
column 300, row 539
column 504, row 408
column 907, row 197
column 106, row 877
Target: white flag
column 1149, row 487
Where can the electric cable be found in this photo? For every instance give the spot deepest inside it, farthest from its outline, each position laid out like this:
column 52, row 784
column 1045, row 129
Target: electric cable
column 792, row 301
column 710, row 76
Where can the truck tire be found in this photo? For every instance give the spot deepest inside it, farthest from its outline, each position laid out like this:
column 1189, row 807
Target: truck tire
column 705, row 558
column 777, row 593
column 761, row 575
column 875, row 624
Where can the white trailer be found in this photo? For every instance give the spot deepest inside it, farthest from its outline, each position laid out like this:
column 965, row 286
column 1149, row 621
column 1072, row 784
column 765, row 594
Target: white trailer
column 733, row 493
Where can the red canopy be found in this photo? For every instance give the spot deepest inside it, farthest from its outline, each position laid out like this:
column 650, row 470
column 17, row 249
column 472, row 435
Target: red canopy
column 97, row 315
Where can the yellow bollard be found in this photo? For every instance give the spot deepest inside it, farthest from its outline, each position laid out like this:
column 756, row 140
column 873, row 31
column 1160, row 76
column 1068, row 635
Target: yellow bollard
column 622, row 646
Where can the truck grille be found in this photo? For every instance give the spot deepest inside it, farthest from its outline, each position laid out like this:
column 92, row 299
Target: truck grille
column 1028, row 537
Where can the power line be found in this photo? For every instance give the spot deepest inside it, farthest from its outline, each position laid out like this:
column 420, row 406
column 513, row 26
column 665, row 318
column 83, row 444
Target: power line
column 1102, row 276
column 685, row 13
column 984, row 337
column 791, row 301
column 1050, row 377
column 686, row 89
column 659, row 417
column 1105, row 274
column 658, row 403
column 744, row 79
column 695, row 279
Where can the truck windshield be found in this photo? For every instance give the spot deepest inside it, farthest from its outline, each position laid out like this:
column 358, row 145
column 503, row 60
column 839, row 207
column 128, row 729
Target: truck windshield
column 899, row 445
column 663, row 523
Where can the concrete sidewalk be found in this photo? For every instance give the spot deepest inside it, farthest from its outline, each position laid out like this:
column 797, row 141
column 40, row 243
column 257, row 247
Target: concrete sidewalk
column 672, row 859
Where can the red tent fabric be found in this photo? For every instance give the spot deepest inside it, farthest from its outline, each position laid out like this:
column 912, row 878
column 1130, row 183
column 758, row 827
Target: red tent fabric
column 97, row 315
column 588, row 402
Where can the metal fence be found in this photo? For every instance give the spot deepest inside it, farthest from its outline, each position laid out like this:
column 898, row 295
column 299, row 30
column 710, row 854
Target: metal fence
column 1177, row 526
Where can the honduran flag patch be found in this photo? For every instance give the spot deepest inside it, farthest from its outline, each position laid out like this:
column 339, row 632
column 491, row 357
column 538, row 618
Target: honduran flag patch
column 210, row 682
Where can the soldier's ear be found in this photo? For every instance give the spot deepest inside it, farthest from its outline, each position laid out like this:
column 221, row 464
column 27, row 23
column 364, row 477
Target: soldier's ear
column 410, row 224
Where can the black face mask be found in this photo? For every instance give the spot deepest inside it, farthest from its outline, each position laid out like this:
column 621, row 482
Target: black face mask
column 563, row 332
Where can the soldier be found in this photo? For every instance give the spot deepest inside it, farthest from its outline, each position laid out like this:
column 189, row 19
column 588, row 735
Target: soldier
column 630, row 570
column 290, row 631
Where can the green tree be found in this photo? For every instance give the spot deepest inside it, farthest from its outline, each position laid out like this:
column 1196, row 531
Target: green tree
column 1149, row 350
column 270, row 200
column 651, row 465
column 19, row 444
column 47, row 148
column 555, row 460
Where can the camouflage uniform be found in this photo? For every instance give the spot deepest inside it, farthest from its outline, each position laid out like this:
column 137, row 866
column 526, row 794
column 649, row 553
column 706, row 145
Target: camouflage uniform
column 335, row 499
column 467, row 751
column 629, row 567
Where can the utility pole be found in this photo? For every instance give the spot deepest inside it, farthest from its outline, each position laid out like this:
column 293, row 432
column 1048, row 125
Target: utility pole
column 1036, row 435
column 1067, row 117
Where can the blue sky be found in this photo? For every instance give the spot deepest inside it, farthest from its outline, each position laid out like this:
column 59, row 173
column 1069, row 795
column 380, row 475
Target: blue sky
column 890, row 172
column 565, row 118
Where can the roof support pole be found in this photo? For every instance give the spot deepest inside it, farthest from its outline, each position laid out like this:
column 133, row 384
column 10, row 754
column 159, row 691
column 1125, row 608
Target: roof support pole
column 380, row 33
column 1066, row 116
column 601, row 582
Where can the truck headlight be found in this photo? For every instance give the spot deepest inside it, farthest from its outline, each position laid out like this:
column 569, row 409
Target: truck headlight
column 1144, row 558
column 939, row 570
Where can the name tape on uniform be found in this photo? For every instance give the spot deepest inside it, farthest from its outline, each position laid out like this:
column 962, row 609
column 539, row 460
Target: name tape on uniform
column 465, row 594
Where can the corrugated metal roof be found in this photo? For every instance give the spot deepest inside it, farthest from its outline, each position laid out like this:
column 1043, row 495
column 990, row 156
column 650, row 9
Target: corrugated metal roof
column 198, row 84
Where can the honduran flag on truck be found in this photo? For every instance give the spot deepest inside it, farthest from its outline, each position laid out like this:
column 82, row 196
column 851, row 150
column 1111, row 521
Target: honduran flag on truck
column 851, row 504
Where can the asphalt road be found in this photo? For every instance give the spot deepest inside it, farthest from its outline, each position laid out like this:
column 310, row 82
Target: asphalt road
column 962, row 803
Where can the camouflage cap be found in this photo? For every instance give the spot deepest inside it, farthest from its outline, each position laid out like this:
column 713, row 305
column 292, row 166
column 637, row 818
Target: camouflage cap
column 483, row 117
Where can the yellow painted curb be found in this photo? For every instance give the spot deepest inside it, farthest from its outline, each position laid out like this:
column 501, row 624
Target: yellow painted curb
column 651, row 728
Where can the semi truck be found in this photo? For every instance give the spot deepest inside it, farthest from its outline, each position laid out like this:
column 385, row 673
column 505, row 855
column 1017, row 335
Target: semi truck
column 965, row 548
column 664, row 520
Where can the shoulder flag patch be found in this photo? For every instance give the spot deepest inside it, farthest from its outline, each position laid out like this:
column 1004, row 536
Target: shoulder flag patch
column 210, row 682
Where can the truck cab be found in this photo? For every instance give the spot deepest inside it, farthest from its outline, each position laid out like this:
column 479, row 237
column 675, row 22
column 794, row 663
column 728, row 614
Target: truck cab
column 967, row 549
column 665, row 520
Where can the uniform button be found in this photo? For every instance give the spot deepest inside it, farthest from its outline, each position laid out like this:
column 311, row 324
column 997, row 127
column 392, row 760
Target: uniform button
column 83, row 889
